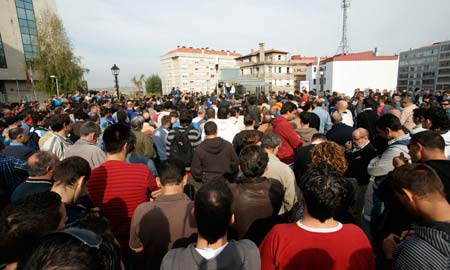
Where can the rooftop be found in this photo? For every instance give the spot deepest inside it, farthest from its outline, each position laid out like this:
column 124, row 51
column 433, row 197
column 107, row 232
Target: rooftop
column 256, row 52
column 307, row 58
column 185, row 49
column 362, row 56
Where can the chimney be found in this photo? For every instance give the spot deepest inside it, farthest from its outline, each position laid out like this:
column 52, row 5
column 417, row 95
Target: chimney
column 178, row 46
column 375, row 51
column 261, row 53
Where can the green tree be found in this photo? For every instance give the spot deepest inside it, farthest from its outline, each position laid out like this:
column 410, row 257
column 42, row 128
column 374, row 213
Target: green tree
column 56, row 57
column 139, row 82
column 153, row 84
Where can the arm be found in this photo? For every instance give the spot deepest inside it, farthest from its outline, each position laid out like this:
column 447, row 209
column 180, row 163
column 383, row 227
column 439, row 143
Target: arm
column 267, row 250
column 135, row 242
column 148, row 148
column 196, row 166
column 289, row 192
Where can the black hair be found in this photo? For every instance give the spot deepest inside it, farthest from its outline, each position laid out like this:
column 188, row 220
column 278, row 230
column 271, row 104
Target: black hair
column 165, row 120
column 223, row 112
column 210, row 113
column 23, row 222
column 253, row 161
column 288, row 107
column 70, row 170
column 115, row 137
column 323, row 191
column 213, row 210
column 94, row 117
column 305, row 117
column 210, row 128
column 389, row 121
column 37, row 117
column 185, row 118
column 121, row 116
column 368, row 103
column 419, row 178
column 429, row 139
column 318, row 136
column 418, row 112
column 249, row 120
column 438, row 118
column 58, row 121
column 14, row 133
column 171, row 172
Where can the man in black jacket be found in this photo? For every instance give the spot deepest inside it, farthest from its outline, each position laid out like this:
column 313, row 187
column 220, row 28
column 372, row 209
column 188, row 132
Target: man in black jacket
column 358, row 159
column 340, row 133
column 367, row 117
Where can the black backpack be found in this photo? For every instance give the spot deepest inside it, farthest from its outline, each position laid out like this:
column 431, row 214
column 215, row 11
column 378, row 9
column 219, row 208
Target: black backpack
column 181, row 149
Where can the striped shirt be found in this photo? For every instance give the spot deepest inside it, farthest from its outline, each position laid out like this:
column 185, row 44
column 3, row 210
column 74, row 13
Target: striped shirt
column 193, row 135
column 57, row 144
column 117, row 188
column 13, row 171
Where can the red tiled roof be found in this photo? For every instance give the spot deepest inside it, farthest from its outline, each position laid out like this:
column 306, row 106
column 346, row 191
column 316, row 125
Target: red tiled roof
column 362, row 56
column 205, row 51
column 256, row 52
column 306, row 58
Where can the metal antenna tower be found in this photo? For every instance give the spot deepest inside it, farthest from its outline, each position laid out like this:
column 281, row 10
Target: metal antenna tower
column 344, row 47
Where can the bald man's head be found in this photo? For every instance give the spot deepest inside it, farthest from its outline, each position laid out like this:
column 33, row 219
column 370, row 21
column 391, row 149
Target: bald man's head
column 336, row 118
column 41, row 164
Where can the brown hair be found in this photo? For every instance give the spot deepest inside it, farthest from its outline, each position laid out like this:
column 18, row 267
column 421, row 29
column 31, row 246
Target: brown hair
column 331, row 154
column 418, row 178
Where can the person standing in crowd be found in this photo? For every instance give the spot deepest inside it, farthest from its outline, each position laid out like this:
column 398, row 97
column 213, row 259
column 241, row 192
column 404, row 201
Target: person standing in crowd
column 408, row 106
column 339, row 133
column 117, row 187
column 86, row 147
column 305, row 131
column 166, row 222
column 144, row 144
column 359, row 154
column 225, row 129
column 249, row 122
column 367, row 117
column 315, row 241
column 213, row 210
column 214, row 158
column 17, row 147
column 41, row 166
column 437, row 119
column 59, row 142
column 324, row 116
column 346, row 114
column 280, row 171
column 256, row 197
column 159, row 137
column 303, row 156
column 289, row 138
column 420, row 190
column 70, row 178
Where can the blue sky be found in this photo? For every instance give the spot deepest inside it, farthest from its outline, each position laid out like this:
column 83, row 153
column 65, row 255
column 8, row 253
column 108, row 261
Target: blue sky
column 134, row 34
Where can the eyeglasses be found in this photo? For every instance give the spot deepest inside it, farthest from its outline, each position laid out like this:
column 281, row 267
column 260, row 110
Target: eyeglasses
column 86, row 237
column 445, row 104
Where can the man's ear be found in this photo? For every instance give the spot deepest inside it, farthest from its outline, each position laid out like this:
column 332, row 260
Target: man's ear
column 232, row 219
column 408, row 194
column 193, row 212
column 79, row 182
column 185, row 179
column 125, row 148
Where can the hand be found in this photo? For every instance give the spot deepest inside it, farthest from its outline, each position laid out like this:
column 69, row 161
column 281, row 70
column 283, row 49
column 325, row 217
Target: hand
column 399, row 160
column 155, row 194
column 389, row 243
column 406, row 234
column 349, row 145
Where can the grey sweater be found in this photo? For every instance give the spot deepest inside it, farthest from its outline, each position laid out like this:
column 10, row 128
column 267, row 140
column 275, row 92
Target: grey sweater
column 242, row 254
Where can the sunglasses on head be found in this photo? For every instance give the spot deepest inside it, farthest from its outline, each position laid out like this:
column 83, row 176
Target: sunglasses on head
column 86, row 237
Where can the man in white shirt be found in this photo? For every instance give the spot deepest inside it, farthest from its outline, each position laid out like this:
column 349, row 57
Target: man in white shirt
column 347, row 117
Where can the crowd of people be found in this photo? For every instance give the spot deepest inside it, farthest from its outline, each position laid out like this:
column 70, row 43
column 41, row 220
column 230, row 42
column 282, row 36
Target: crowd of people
column 282, row 180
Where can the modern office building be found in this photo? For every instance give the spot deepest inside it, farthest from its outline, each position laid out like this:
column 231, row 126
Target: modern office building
column 19, row 45
column 273, row 66
column 426, row 67
column 194, row 69
column 345, row 73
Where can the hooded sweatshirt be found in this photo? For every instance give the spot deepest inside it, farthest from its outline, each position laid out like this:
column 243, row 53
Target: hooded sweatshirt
column 306, row 135
column 214, row 159
column 428, row 248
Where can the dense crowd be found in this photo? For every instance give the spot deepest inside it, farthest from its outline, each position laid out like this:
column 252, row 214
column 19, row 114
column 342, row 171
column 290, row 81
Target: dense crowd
column 282, row 180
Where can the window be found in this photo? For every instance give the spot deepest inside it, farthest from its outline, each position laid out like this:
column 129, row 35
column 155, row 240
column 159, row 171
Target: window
column 279, row 57
column 315, row 69
column 2, row 55
column 257, row 70
column 212, row 75
column 287, row 70
column 445, row 47
column 314, row 82
column 279, row 70
column 27, row 23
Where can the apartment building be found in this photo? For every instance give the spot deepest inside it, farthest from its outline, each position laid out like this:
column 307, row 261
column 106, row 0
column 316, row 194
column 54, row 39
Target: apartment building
column 194, row 69
column 273, row 66
column 19, row 45
column 426, row 67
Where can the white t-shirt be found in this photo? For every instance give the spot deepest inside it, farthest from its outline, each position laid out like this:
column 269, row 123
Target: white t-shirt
column 209, row 253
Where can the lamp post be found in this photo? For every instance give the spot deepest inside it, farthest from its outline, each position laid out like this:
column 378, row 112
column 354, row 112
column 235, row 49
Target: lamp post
column 57, row 86
column 115, row 72
column 321, row 79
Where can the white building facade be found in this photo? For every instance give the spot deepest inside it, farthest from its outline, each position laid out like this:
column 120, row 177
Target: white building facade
column 194, row 69
column 345, row 73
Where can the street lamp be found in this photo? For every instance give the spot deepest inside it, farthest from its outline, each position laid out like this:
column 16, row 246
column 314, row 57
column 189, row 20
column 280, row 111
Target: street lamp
column 321, row 79
column 115, row 72
column 57, row 86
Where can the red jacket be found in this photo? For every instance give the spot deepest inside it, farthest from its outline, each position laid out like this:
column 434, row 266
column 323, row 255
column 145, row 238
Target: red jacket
column 289, row 139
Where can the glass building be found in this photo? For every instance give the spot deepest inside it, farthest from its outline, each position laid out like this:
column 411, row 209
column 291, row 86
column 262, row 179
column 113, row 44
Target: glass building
column 27, row 23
